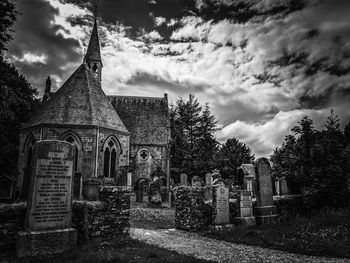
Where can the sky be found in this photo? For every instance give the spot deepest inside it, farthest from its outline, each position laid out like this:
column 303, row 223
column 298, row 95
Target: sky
column 260, row 64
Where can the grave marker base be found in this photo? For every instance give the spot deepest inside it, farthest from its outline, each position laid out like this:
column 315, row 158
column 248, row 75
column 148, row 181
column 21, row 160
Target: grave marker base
column 244, row 221
column 265, row 215
column 43, row 243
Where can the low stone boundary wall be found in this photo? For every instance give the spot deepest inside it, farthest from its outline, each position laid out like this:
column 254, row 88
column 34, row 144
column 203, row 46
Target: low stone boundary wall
column 108, row 217
column 191, row 212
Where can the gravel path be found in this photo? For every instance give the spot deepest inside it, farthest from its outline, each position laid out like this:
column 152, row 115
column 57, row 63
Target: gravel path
column 192, row 244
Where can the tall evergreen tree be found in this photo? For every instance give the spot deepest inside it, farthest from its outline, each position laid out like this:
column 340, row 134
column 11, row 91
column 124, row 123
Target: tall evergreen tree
column 193, row 143
column 8, row 14
column 233, row 154
column 17, row 96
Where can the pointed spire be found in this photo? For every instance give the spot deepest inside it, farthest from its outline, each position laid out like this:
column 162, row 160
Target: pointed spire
column 93, row 53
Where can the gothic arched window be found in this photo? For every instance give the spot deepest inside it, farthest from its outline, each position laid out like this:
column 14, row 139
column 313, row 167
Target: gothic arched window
column 73, row 139
column 110, row 158
column 28, row 155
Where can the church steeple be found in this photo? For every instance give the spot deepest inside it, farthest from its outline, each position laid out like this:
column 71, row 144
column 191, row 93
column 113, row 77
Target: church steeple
column 93, row 53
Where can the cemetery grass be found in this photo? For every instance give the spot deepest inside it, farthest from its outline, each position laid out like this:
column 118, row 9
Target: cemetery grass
column 325, row 234
column 122, row 249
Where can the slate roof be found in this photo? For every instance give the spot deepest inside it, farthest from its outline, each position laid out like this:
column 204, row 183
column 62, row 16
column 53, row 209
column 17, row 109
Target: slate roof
column 93, row 52
column 79, row 101
column 146, row 118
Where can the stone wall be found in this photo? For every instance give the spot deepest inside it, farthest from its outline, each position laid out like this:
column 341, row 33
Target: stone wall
column 191, row 212
column 108, row 217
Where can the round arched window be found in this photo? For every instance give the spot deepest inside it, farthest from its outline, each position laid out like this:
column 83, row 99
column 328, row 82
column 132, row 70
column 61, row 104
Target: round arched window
column 144, row 155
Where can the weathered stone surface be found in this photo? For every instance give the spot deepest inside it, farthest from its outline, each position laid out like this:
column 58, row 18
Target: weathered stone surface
column 265, row 194
column 191, row 213
column 265, row 211
column 183, row 179
column 35, row 243
column 49, row 211
column 221, row 210
column 50, row 201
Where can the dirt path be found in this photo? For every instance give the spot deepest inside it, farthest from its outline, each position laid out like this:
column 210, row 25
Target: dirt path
column 192, row 244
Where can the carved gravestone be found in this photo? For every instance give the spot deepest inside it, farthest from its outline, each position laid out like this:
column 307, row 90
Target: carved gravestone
column 49, row 210
column 183, row 179
column 248, row 171
column 154, row 194
column 208, row 179
column 208, row 193
column 245, row 201
column 265, row 210
column 221, row 211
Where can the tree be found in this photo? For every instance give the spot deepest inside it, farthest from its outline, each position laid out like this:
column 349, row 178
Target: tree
column 17, row 103
column 8, row 16
column 232, row 155
column 17, row 96
column 192, row 137
column 206, row 143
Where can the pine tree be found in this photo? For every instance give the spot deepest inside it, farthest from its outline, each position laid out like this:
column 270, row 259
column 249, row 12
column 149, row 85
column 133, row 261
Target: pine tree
column 206, row 143
column 193, row 142
column 233, row 154
column 8, row 14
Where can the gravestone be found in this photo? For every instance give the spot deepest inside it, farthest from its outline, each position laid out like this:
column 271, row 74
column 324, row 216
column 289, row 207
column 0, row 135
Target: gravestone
column 208, row 193
column 49, row 210
column 245, row 201
column 197, row 181
column 284, row 188
column 208, row 179
column 221, row 211
column 129, row 179
column 140, row 189
column 154, row 194
column 265, row 211
column 277, row 187
column 183, row 179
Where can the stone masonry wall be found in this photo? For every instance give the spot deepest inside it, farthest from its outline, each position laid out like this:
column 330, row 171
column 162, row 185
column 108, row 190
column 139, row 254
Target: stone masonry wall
column 108, row 217
column 191, row 213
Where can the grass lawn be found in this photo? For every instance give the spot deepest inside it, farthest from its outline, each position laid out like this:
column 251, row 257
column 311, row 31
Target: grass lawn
column 325, row 234
column 98, row 251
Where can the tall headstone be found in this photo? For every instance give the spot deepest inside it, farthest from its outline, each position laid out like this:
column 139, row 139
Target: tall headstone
column 246, row 217
column 208, row 179
column 284, row 187
column 129, row 179
column 265, row 211
column 221, row 209
column 49, row 210
column 183, row 179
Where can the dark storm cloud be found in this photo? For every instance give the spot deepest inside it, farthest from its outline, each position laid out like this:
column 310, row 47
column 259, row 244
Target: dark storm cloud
column 37, row 35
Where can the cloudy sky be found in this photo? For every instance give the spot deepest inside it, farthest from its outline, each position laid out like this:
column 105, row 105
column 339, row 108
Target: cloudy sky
column 260, row 64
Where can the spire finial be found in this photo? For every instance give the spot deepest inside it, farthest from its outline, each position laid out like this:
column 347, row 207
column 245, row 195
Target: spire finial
column 96, row 2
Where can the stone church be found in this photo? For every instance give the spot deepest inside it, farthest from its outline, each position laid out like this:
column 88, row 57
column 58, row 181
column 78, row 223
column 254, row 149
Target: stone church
column 111, row 133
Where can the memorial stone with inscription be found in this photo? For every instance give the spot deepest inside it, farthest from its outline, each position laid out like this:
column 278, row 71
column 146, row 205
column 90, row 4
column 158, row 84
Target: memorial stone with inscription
column 245, row 201
column 221, row 205
column 49, row 210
